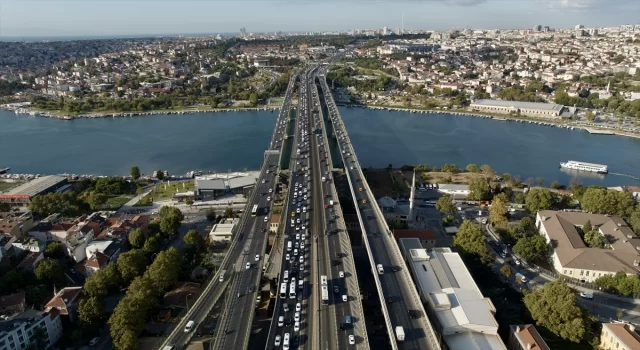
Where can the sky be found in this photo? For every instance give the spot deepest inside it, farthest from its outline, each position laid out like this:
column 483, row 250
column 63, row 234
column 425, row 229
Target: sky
column 34, row 18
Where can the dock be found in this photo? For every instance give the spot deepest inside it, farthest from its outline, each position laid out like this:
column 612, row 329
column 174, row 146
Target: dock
column 599, row 131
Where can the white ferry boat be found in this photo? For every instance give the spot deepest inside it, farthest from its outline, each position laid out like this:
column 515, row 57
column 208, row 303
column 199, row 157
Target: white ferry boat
column 582, row 166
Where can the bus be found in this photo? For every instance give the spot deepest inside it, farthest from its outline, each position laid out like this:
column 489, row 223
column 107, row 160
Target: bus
column 254, row 211
column 292, row 290
column 283, row 290
column 324, row 290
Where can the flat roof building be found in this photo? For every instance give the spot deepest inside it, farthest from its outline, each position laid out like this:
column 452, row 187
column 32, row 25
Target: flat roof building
column 21, row 195
column 454, row 303
column 215, row 185
column 222, row 231
column 533, row 109
column 17, row 332
column 573, row 258
column 454, row 189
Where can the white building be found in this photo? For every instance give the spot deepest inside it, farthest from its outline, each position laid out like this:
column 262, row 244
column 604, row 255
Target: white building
column 454, row 189
column 16, row 332
column 454, row 303
column 573, row 258
column 222, row 230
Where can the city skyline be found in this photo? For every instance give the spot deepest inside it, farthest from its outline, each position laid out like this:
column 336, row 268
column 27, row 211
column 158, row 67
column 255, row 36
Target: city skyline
column 142, row 17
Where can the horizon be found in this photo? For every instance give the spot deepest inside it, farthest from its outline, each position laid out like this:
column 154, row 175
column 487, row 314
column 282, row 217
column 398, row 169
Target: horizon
column 98, row 18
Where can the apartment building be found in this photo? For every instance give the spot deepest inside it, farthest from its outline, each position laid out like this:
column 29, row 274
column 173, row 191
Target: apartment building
column 619, row 336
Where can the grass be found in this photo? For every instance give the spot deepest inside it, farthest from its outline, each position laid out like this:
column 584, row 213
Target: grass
column 118, row 201
column 276, row 101
column 5, row 186
column 166, row 191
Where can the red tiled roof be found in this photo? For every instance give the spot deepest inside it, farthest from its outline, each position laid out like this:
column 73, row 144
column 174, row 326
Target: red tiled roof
column 63, row 299
column 97, row 261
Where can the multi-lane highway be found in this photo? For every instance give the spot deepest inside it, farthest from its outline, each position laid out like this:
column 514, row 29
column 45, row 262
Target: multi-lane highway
column 291, row 325
column 247, row 248
column 400, row 302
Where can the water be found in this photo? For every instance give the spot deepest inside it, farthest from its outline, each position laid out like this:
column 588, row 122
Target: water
column 523, row 149
column 237, row 140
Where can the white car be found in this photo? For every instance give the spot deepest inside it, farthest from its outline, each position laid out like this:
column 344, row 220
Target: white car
column 297, row 236
column 303, row 227
column 297, row 220
column 277, row 342
column 352, row 340
column 264, row 181
column 296, row 326
column 344, row 298
column 301, row 259
column 248, row 266
column 298, row 210
column 266, row 218
column 288, row 257
column 341, row 274
column 257, row 257
column 296, row 317
column 268, row 199
column 298, row 307
column 270, row 190
column 301, row 267
column 303, row 237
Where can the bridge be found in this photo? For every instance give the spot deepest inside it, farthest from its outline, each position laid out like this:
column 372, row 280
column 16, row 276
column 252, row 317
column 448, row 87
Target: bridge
column 400, row 302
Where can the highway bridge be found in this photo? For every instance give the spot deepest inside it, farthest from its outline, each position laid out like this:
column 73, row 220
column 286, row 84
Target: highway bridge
column 249, row 240
column 401, row 305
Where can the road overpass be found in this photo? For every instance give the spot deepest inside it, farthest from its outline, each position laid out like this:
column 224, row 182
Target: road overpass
column 249, row 240
column 398, row 296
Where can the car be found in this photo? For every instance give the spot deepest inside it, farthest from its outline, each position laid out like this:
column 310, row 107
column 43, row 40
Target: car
column 298, row 307
column 347, row 319
column 270, row 190
column 252, row 289
column 298, row 210
column 301, row 259
column 94, row 341
column 277, row 341
column 257, row 257
column 341, row 274
column 296, row 316
column 264, row 181
column 268, row 199
column 287, row 257
column 352, row 339
column 303, row 237
column 297, row 236
column 296, row 326
column 344, row 298
column 248, row 266
column 336, row 289
column 517, row 262
column 303, row 227
column 297, row 220
column 266, row 218
column 301, row 269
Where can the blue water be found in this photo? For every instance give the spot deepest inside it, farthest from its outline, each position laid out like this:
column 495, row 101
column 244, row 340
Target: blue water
column 237, row 140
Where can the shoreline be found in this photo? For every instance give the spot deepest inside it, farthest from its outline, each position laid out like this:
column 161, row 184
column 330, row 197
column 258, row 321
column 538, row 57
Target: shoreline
column 591, row 129
column 48, row 114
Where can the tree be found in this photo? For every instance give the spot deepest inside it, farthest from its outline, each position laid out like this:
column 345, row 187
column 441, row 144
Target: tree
column 135, row 172
column 445, row 205
column 587, row 227
column 634, row 220
column 160, row 175
column 472, row 168
column 165, row 269
column 211, row 215
column 595, row 240
column 553, row 306
column 538, row 199
column 621, row 282
column 126, row 323
column 152, row 245
column 479, row 189
column 54, row 250
column 498, row 212
column 471, row 240
column 590, row 116
column 602, row 201
column 96, row 199
column 101, row 281
column 51, row 273
column 520, row 198
column 170, row 219
column 253, row 99
column 487, row 171
column 531, row 248
column 91, row 310
column 137, row 238
column 526, row 223
column 194, row 239
column 228, row 212
column 506, row 270
column 131, row 264
column 144, row 292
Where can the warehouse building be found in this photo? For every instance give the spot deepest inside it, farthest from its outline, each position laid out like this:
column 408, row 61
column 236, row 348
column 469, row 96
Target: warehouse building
column 22, row 195
column 214, row 186
column 531, row 109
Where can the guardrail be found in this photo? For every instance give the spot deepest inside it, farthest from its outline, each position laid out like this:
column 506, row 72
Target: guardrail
column 382, row 224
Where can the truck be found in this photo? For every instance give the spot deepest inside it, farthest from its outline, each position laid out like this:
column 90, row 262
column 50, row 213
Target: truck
column 400, row 333
column 380, row 269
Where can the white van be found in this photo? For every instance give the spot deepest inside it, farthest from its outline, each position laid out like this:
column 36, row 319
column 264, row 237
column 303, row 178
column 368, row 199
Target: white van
column 586, row 295
column 289, row 244
column 221, row 279
column 285, row 342
column 189, row 327
column 285, row 278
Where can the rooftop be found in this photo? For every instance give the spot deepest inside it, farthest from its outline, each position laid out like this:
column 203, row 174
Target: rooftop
column 528, row 334
column 28, row 316
column 625, row 334
column 572, row 252
column 466, row 317
column 518, row 104
column 37, row 186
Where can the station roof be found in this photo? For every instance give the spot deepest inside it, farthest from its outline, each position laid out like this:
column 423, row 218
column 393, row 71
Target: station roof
column 37, row 186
